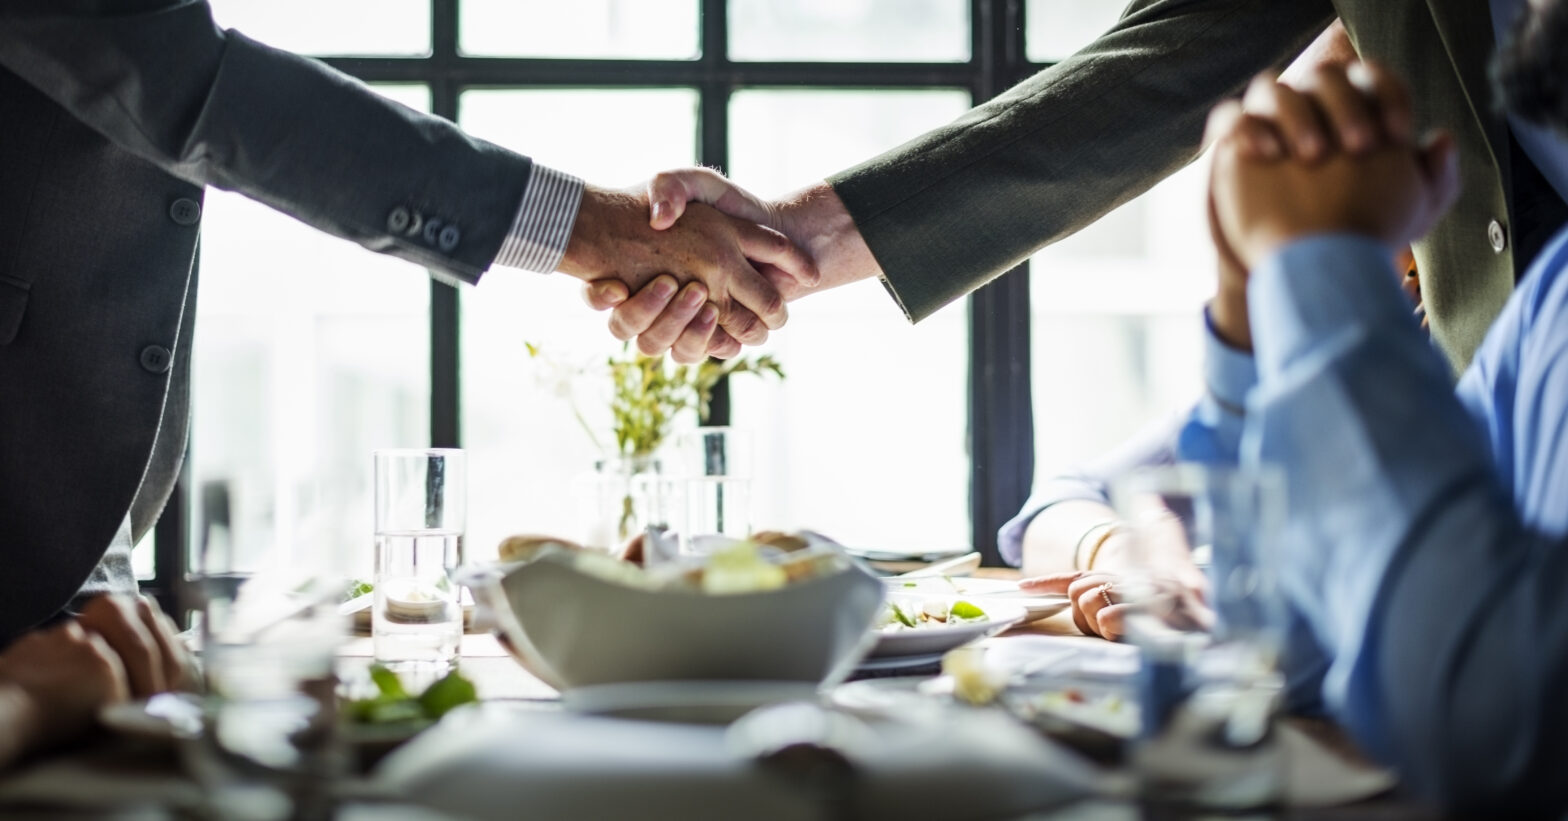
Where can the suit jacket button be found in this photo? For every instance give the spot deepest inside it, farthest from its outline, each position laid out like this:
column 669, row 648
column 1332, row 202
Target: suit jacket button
column 156, row 359
column 449, row 237
column 397, row 221
column 1497, row 236
column 185, row 211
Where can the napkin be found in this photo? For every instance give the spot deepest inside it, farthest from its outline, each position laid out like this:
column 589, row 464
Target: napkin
column 494, row 761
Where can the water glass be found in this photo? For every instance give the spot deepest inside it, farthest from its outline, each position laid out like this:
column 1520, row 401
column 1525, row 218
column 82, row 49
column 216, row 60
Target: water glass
column 270, row 628
column 1209, row 684
column 421, row 497
column 715, row 476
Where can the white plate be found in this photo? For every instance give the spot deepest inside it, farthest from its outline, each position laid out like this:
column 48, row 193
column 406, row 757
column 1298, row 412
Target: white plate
column 894, row 554
column 892, row 663
column 983, row 591
column 940, row 639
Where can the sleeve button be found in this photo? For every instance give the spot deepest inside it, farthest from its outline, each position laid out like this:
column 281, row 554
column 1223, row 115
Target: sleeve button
column 397, row 221
column 449, row 237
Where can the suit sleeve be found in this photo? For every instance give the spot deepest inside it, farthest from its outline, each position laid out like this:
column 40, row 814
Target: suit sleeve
column 159, row 79
column 950, row 210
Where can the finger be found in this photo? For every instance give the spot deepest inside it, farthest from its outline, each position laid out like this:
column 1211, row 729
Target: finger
column 637, row 313
column 691, row 346
column 1089, row 603
column 1351, row 113
column 1292, row 113
column 1392, row 96
column 114, row 620
column 1053, row 583
column 750, row 288
column 604, row 294
column 111, row 667
column 722, row 345
column 660, row 335
column 1255, row 137
column 765, row 246
column 1112, row 621
column 670, row 191
column 160, row 628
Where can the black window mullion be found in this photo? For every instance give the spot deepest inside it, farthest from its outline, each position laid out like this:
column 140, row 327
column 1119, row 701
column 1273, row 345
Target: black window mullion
column 1001, row 413
column 445, row 304
column 713, row 142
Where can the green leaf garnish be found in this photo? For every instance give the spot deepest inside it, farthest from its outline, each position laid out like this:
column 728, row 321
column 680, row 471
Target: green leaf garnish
column 447, row 694
column 898, row 613
column 965, row 610
column 387, row 682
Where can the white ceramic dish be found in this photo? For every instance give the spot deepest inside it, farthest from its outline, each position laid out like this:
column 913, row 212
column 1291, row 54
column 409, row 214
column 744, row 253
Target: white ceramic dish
column 923, row 554
column 941, row 638
column 575, row 629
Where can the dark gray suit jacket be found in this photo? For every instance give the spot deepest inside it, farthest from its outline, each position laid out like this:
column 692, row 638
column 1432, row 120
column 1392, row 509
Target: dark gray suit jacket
column 116, row 115
column 950, row 210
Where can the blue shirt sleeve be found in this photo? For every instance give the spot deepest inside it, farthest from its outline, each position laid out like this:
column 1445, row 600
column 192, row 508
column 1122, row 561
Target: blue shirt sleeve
column 1418, row 567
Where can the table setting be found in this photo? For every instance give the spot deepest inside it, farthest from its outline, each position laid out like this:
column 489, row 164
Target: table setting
column 763, row 675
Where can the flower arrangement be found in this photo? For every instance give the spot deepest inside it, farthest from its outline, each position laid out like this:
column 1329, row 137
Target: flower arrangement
column 648, row 394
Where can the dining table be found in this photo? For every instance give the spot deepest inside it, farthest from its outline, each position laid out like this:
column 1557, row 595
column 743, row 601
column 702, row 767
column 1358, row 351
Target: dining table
column 109, row 776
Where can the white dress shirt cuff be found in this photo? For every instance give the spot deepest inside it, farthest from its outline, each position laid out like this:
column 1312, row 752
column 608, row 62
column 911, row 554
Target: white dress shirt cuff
column 539, row 233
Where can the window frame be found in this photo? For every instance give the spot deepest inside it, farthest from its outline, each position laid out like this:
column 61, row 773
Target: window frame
column 1000, row 428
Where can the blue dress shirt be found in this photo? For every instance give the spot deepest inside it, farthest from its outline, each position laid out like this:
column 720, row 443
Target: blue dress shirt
column 1423, row 549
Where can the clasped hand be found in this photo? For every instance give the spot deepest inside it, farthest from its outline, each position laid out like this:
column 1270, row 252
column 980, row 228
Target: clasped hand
column 1335, row 154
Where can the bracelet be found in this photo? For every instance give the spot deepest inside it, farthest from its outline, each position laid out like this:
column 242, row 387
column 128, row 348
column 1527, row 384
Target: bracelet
column 1078, row 548
column 1099, row 543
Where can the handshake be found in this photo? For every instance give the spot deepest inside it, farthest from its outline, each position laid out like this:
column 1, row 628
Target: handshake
column 697, row 266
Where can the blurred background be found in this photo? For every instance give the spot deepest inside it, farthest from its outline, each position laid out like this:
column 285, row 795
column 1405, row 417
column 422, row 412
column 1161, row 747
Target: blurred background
column 311, row 352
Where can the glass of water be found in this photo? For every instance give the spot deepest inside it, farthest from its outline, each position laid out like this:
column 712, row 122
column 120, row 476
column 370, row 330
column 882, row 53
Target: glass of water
column 1209, row 686
column 421, row 497
column 270, row 629
column 715, row 475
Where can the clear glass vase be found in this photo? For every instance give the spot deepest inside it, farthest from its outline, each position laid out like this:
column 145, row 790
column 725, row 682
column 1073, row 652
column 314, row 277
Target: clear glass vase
column 622, row 497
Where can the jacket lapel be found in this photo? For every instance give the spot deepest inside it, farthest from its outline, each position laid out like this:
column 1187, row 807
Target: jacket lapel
column 1466, row 29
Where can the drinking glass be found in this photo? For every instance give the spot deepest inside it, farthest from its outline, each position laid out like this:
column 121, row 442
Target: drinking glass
column 715, row 473
column 417, row 622
column 270, row 627
column 1209, row 685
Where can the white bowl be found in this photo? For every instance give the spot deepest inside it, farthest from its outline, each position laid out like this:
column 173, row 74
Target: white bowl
column 574, row 629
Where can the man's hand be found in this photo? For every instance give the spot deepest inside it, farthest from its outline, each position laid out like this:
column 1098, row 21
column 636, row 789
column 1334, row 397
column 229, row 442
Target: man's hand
column 144, row 640
column 613, row 240
column 1392, row 191
column 814, row 218
column 52, row 683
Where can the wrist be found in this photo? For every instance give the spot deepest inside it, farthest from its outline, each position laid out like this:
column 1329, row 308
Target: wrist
column 1228, row 316
column 601, row 217
column 816, row 219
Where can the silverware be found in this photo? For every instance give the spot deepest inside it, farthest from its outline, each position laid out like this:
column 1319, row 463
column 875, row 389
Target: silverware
column 959, row 566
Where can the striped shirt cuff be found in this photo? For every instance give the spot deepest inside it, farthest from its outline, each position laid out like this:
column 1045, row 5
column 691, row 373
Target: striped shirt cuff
column 539, row 234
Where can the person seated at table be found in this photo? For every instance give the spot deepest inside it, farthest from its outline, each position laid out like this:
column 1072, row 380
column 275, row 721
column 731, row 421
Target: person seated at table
column 1425, row 537
column 1067, row 538
column 54, row 680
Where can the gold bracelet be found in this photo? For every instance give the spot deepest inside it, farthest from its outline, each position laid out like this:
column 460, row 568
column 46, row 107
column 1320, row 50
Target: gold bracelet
column 1078, row 548
column 1094, row 552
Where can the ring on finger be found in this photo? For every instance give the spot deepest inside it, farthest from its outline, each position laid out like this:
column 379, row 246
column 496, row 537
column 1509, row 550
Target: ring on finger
column 1105, row 594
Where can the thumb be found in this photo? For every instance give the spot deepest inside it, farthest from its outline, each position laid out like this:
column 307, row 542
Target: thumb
column 670, row 191
column 1053, row 583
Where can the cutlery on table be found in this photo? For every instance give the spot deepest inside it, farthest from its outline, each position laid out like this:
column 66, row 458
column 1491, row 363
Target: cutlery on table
column 958, row 566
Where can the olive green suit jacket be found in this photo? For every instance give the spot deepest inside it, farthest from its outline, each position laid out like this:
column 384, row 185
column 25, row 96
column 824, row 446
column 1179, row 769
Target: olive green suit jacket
column 950, row 210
